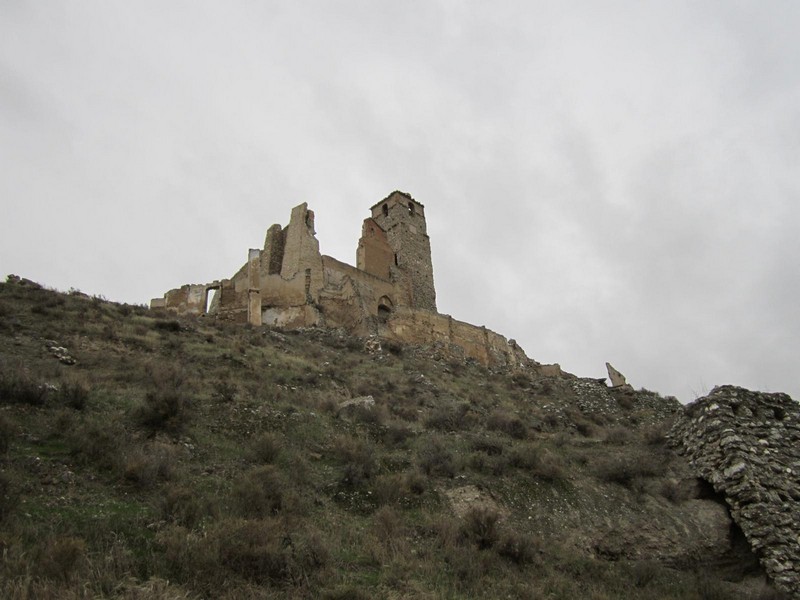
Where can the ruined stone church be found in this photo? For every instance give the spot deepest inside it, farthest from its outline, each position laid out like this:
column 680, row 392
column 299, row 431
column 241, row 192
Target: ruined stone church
column 389, row 293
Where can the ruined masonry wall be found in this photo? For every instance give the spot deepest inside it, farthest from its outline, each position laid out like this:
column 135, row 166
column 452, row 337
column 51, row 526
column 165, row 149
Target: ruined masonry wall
column 747, row 445
column 391, row 293
column 403, row 220
column 484, row 345
column 272, row 258
column 374, row 255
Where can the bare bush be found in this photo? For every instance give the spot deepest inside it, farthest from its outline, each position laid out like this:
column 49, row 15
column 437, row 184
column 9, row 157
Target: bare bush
column 517, row 547
column 435, row 459
column 619, row 436
column 225, row 390
column 265, row 448
column 480, row 526
column 358, row 457
column 18, row 387
column 147, row 465
column 507, row 423
column 450, row 417
column 627, row 470
column 259, row 493
column 185, row 506
column 73, row 393
column 61, row 557
column 538, row 462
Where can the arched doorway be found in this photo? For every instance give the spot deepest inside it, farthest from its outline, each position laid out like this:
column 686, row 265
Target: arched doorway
column 385, row 308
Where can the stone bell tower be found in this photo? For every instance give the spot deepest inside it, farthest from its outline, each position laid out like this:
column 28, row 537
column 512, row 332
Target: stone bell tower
column 402, row 219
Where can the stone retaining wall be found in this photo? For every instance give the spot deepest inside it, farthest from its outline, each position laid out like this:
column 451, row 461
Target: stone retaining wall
column 747, row 445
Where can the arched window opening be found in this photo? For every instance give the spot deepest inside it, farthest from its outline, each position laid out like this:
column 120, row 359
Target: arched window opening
column 384, row 309
column 385, row 209
column 384, row 312
column 396, row 260
column 411, row 209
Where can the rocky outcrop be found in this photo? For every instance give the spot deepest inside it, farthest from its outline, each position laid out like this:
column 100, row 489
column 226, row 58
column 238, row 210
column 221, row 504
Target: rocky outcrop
column 747, row 445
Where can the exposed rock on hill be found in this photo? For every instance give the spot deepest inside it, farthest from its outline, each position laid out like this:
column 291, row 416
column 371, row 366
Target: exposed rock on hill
column 747, row 445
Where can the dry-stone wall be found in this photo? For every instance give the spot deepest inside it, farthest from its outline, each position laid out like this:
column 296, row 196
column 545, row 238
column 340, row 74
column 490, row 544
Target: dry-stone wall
column 747, row 445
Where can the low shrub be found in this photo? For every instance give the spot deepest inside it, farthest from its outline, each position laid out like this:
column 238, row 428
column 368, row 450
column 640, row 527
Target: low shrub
column 171, row 325
column 358, row 457
column 264, row 551
column 184, row 506
column 147, row 465
column 368, row 415
column 518, row 548
column 398, row 488
column 644, row 572
column 626, row 401
column 452, row 417
column 487, row 446
column 585, row 427
column 627, row 470
column 490, row 464
column 166, row 405
column 73, row 393
column 508, row 424
column 95, row 441
column 396, row 434
column 522, row 380
column 393, row 347
column 480, row 526
column 387, row 524
column 225, row 390
column 61, row 557
column 259, row 493
column 619, row 436
column 538, row 462
column 265, row 448
column 655, row 435
column 434, row 459
column 18, row 387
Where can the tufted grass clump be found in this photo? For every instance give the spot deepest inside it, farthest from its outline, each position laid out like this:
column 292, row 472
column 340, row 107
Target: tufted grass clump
column 17, row 386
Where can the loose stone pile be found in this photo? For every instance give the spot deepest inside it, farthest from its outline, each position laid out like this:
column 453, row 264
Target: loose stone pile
column 747, row 445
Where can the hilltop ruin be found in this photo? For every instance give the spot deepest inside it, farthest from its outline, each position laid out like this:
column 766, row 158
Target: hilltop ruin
column 390, row 292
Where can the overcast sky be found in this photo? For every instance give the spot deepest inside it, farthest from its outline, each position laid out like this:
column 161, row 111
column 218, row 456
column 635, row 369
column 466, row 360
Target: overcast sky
column 603, row 180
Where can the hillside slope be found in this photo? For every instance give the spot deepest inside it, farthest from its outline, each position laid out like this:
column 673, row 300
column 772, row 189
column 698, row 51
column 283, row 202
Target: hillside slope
column 148, row 457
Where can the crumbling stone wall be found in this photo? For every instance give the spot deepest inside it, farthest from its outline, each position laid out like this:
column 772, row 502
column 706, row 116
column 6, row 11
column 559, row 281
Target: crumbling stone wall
column 747, row 445
column 390, row 293
column 351, row 297
column 272, row 259
column 374, row 255
column 485, row 346
column 403, row 220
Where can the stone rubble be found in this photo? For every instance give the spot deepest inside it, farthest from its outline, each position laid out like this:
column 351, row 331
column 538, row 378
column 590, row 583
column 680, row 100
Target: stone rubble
column 747, row 445
column 59, row 352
